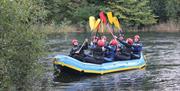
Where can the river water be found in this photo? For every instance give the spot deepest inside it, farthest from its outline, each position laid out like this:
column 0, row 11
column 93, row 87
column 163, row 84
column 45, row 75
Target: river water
column 162, row 73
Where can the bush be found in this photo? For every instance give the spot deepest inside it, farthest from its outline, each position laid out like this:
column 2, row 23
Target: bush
column 21, row 44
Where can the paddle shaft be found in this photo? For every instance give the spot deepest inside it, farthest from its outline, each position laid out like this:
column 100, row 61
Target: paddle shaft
column 81, row 47
column 110, row 30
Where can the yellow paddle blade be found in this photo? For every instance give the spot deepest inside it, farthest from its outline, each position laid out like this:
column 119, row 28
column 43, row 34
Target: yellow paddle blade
column 92, row 22
column 116, row 22
column 110, row 17
column 97, row 23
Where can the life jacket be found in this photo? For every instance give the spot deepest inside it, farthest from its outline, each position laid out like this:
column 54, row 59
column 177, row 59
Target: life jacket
column 137, row 48
column 125, row 49
column 111, row 51
column 92, row 45
column 98, row 52
column 75, row 49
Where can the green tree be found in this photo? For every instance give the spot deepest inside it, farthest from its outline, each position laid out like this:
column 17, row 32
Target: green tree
column 21, row 45
column 132, row 12
column 74, row 10
column 166, row 9
column 57, row 10
column 173, row 10
column 159, row 9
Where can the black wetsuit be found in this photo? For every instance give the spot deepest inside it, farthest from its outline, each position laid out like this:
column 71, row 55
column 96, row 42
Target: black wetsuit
column 137, row 48
column 98, row 53
column 97, row 57
column 132, row 50
column 79, row 56
column 125, row 51
column 122, row 55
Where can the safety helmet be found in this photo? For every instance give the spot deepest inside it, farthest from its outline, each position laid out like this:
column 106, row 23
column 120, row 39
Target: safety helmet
column 137, row 36
column 129, row 41
column 113, row 42
column 100, row 43
column 74, row 42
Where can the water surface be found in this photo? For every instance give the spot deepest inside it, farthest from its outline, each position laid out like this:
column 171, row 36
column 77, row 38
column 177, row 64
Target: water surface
column 162, row 73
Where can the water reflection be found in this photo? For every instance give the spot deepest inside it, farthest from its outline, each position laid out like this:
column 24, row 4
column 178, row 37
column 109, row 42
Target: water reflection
column 130, row 80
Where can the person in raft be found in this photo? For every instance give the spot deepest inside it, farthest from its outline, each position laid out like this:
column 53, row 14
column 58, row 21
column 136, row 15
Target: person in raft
column 127, row 46
column 77, row 51
column 94, row 40
column 137, row 47
column 99, row 51
column 93, row 44
column 132, row 48
column 111, row 50
column 121, row 52
column 104, row 38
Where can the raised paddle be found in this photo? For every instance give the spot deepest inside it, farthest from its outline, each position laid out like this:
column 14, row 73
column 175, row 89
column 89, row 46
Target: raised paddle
column 92, row 21
column 97, row 25
column 110, row 30
column 94, row 24
column 82, row 46
column 103, row 19
column 110, row 17
column 116, row 22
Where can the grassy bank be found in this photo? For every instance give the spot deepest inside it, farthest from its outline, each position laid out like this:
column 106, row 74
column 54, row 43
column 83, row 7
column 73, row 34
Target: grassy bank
column 164, row 27
column 65, row 28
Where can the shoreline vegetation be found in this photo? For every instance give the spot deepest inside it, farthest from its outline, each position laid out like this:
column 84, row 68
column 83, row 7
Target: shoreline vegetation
column 25, row 25
column 170, row 26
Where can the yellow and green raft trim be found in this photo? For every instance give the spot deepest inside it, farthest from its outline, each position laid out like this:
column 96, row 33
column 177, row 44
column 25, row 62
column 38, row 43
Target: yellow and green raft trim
column 66, row 61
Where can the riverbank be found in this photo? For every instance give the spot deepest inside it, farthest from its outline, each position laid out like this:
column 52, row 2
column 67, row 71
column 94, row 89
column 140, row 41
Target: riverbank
column 65, row 28
column 163, row 27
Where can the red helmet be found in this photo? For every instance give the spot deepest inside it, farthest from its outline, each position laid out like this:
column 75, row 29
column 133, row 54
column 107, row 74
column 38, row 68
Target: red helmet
column 100, row 43
column 129, row 41
column 113, row 42
column 74, row 41
column 136, row 37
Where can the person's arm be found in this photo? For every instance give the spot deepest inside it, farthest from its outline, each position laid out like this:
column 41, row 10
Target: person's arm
column 85, row 46
column 124, row 43
column 138, row 44
column 107, row 47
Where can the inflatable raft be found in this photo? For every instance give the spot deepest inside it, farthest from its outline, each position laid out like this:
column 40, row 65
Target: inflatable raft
column 62, row 61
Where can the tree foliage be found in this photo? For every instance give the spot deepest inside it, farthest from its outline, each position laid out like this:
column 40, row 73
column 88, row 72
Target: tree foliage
column 166, row 9
column 20, row 44
column 132, row 12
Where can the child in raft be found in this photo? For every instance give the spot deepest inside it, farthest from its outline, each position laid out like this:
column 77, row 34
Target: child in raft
column 132, row 49
column 77, row 51
column 98, row 53
column 137, row 47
